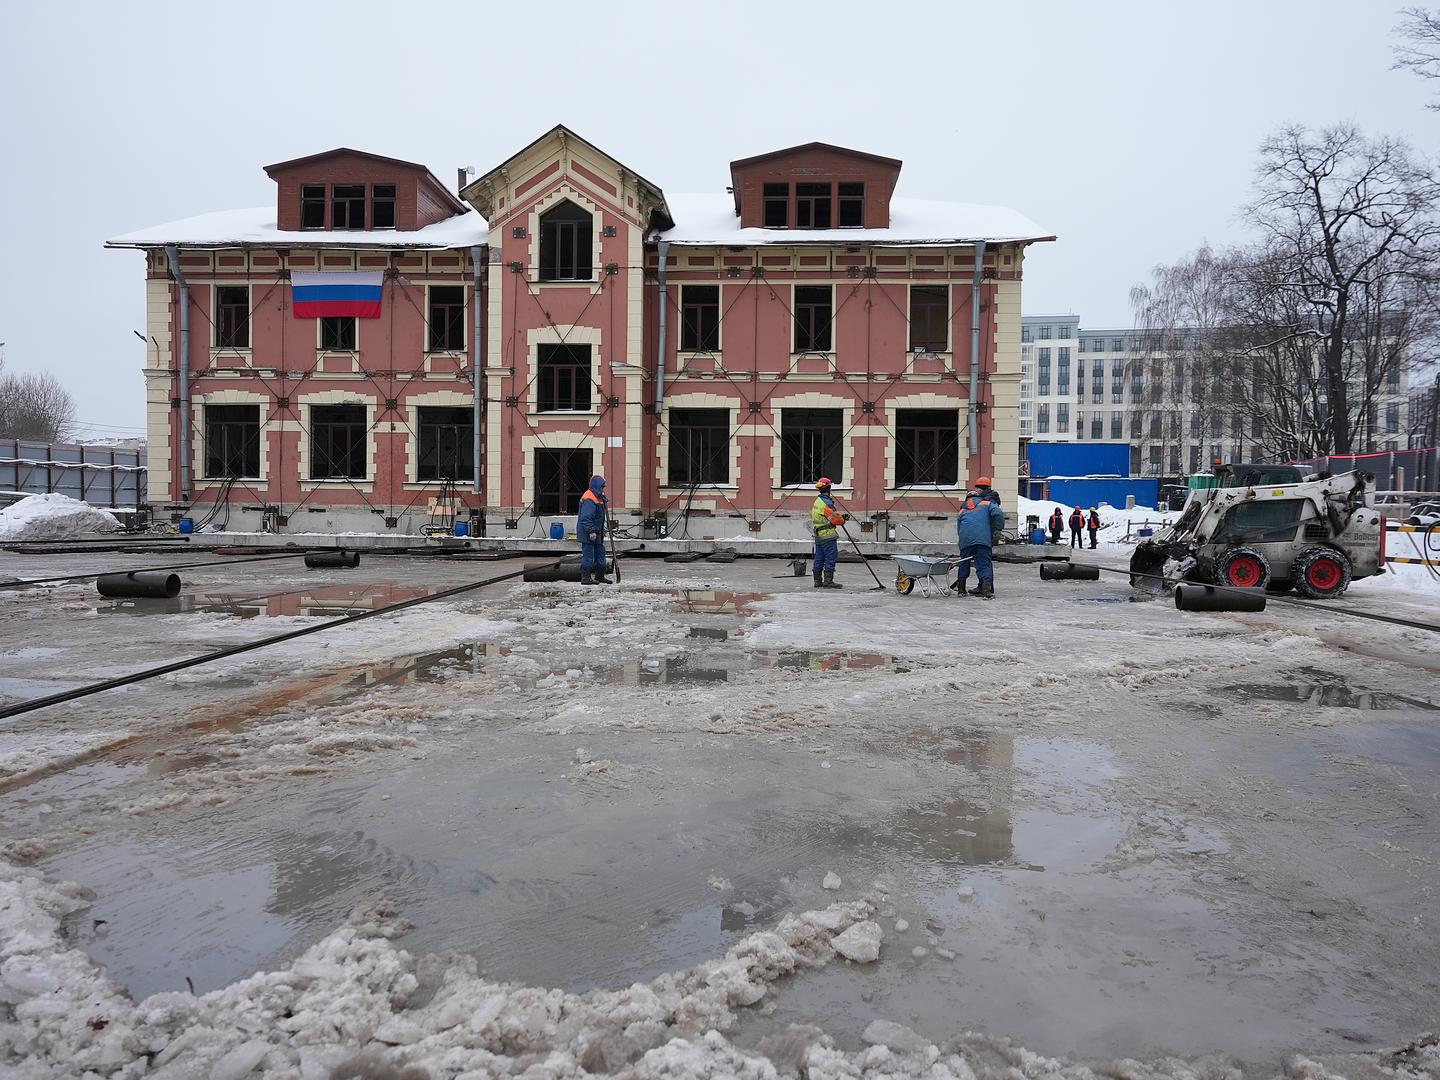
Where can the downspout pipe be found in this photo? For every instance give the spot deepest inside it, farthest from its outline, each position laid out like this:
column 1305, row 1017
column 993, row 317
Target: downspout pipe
column 664, row 247
column 172, row 254
column 975, row 309
column 478, row 263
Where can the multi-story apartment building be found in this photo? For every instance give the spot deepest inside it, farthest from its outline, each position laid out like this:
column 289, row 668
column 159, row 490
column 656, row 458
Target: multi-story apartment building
column 1047, row 387
column 372, row 349
column 1130, row 385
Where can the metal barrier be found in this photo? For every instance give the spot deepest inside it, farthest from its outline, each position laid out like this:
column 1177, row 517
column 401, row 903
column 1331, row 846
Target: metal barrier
column 99, row 475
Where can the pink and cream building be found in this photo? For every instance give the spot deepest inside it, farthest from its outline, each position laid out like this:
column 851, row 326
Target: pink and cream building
column 561, row 315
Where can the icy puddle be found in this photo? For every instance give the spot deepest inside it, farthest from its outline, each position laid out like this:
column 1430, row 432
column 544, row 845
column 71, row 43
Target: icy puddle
column 330, row 601
column 1325, row 689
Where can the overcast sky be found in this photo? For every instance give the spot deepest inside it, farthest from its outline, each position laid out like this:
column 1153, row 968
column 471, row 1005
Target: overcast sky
column 1127, row 128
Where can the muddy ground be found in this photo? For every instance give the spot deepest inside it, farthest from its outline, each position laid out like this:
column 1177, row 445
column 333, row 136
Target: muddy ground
column 1103, row 828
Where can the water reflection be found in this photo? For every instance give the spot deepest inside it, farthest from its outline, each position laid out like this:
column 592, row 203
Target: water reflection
column 329, row 601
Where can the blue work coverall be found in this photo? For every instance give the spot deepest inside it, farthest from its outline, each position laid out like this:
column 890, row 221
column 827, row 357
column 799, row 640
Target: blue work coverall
column 590, row 526
column 977, row 527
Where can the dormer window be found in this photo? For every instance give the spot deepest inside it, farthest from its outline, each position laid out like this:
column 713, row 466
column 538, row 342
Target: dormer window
column 347, row 206
column 852, row 206
column 382, row 206
column 812, row 206
column 312, row 206
column 777, row 206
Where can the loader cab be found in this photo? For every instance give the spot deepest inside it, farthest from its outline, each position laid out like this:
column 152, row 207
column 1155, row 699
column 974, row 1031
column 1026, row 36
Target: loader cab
column 1267, row 521
column 1257, row 475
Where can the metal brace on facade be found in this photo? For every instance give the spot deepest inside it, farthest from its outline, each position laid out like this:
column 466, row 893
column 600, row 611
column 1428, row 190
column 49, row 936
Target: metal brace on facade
column 612, row 268
column 512, row 401
column 516, row 267
column 868, row 407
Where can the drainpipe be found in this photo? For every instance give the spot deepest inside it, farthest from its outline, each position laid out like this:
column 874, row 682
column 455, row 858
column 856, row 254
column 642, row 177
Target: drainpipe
column 975, row 348
column 478, row 368
column 664, row 305
column 172, row 253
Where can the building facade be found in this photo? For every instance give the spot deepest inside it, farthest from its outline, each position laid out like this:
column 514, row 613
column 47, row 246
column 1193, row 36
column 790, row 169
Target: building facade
column 1177, row 414
column 710, row 355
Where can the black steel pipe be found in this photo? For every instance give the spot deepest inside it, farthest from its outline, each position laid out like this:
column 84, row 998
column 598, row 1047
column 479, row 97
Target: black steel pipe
column 1193, row 597
column 140, row 583
column 1068, row 572
column 567, row 569
column 332, row 560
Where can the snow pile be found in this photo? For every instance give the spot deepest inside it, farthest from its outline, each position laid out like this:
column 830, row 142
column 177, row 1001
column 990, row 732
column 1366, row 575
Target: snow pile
column 53, row 517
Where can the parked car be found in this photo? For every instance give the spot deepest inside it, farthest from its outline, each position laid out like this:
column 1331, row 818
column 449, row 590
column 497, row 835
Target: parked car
column 1425, row 513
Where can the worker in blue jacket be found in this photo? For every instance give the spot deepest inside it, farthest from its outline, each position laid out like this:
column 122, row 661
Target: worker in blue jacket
column 590, row 528
column 977, row 528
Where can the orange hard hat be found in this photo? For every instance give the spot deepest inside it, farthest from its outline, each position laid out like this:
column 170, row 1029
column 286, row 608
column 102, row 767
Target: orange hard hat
column 983, row 481
column 823, row 482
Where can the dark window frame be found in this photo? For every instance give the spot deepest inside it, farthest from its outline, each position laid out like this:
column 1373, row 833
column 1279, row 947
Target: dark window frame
column 347, row 207
column 700, row 318
column 339, row 442
column 572, row 466
column 336, row 330
column 567, row 243
column 562, row 379
column 850, row 205
column 444, row 443
column 812, row 444
column 814, row 205
column 923, row 318
column 446, row 322
column 927, row 447
column 231, row 437
column 383, row 198
column 699, row 447
column 312, row 207
column 813, row 318
column 232, row 316
column 775, row 203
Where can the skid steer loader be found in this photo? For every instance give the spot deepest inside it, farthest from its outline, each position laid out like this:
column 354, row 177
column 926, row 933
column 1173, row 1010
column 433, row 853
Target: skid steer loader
column 1315, row 536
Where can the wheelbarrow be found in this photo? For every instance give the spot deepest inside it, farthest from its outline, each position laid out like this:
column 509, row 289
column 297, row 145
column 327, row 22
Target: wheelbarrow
column 930, row 572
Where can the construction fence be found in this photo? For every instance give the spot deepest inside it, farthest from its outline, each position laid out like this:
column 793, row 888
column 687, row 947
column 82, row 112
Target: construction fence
column 1395, row 470
column 104, row 476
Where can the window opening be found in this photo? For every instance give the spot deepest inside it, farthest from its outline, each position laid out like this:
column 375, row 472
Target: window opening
column 347, row 209
column 700, row 318
column 813, row 312
column 699, row 446
column 777, row 206
column 810, row 444
column 561, row 477
column 447, row 318
column 312, row 206
column 563, row 379
column 812, row 206
column 338, row 333
column 566, row 243
column 852, row 206
column 232, row 441
column 446, row 448
column 338, row 434
column 382, row 206
column 927, row 446
column 232, row 317
column 929, row 318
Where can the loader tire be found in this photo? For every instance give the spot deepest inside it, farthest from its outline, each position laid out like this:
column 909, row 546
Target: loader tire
column 1242, row 568
column 1321, row 573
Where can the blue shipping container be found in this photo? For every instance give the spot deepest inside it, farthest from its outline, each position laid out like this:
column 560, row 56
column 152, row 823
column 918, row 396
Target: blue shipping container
column 1078, row 458
column 1146, row 490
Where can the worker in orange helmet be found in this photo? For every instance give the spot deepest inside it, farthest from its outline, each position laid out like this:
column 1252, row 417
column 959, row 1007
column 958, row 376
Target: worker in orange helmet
column 825, row 522
column 977, row 528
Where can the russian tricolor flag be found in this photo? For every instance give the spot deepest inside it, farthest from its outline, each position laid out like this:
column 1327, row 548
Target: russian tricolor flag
column 328, row 294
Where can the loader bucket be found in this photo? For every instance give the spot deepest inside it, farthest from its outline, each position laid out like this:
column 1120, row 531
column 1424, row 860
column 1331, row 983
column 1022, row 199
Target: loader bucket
column 1146, row 566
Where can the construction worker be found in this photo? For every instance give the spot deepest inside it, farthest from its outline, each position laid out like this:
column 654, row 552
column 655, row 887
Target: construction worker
column 1057, row 525
column 825, row 522
column 590, row 528
column 1093, row 524
column 1077, row 529
column 977, row 528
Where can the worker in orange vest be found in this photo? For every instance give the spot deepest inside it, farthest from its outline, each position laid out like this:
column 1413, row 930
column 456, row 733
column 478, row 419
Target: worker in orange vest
column 825, row 522
column 1077, row 528
column 1057, row 525
column 1093, row 524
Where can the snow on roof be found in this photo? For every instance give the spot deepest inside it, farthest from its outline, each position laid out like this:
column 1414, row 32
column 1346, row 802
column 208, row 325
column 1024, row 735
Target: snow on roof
column 256, row 227
column 710, row 219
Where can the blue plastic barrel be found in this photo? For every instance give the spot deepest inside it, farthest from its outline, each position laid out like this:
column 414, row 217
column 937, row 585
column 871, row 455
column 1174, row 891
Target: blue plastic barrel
column 187, row 525
column 557, row 530
column 462, row 528
column 1037, row 536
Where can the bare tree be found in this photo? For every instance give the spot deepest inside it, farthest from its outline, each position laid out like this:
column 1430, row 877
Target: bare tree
column 1347, row 226
column 1419, row 48
column 35, row 406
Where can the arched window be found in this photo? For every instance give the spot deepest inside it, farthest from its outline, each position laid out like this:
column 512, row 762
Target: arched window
column 565, row 244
